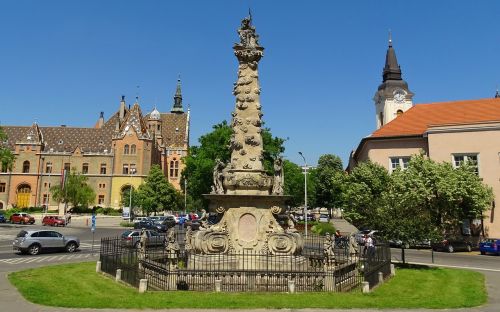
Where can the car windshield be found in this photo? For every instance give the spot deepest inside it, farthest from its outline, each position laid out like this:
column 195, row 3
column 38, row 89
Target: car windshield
column 126, row 233
column 490, row 240
column 22, row 234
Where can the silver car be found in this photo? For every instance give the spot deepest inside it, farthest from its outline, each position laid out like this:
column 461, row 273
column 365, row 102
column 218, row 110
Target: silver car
column 35, row 241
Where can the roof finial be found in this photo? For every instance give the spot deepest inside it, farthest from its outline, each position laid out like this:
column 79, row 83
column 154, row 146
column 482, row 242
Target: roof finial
column 178, row 97
column 250, row 14
column 390, row 38
column 497, row 94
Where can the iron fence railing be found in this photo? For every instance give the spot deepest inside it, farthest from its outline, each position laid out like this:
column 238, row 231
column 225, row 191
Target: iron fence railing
column 312, row 270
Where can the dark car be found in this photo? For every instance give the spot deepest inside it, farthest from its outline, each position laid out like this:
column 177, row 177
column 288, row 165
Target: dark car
column 150, row 225
column 490, row 245
column 132, row 238
column 2, row 218
column 452, row 244
column 194, row 224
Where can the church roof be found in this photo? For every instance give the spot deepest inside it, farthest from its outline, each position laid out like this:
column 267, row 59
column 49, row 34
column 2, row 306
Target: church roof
column 174, row 129
column 420, row 117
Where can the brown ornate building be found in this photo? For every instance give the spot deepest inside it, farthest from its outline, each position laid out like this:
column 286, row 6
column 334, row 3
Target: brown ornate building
column 115, row 154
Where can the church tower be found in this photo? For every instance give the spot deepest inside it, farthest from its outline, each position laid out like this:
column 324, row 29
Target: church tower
column 393, row 97
column 177, row 108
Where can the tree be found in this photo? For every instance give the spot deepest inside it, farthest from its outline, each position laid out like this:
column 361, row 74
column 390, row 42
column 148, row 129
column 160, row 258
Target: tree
column 215, row 145
column 362, row 192
column 75, row 190
column 156, row 193
column 6, row 156
column 330, row 181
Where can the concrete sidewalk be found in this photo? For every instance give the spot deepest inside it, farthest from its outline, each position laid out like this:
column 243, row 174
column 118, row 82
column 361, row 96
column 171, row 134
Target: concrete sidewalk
column 12, row 301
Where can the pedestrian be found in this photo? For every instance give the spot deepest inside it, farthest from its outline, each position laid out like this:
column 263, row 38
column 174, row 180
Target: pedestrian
column 181, row 222
column 369, row 246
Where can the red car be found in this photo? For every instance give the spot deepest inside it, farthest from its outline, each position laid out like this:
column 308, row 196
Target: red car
column 53, row 221
column 22, row 218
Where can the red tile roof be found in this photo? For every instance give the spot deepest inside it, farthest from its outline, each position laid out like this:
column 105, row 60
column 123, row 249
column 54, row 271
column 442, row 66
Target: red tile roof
column 417, row 119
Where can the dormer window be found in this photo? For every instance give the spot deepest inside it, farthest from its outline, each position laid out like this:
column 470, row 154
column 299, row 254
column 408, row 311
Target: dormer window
column 60, row 142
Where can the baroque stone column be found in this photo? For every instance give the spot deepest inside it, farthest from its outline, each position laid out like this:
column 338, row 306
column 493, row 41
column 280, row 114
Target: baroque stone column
column 245, row 173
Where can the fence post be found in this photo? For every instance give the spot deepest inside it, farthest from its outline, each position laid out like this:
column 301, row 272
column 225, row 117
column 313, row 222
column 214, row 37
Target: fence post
column 143, row 285
column 393, row 270
column 98, row 267
column 218, row 285
column 118, row 276
column 291, row 286
column 380, row 277
column 365, row 287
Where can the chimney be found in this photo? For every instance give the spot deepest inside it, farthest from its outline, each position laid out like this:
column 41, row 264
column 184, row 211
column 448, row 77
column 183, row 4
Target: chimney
column 100, row 121
column 122, row 108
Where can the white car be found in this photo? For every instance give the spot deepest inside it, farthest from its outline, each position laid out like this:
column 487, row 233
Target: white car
column 323, row 218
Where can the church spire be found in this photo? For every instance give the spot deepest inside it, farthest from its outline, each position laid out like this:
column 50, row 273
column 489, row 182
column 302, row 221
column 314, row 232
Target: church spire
column 392, row 70
column 177, row 108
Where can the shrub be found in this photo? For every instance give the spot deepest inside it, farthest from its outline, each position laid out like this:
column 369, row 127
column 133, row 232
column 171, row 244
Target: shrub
column 127, row 224
column 323, row 228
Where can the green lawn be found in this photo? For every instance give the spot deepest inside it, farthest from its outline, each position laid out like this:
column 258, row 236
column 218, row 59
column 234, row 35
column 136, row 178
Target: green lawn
column 78, row 286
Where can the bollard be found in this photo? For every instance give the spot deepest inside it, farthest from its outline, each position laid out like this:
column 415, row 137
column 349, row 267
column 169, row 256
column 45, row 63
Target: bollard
column 98, row 267
column 118, row 276
column 291, row 286
column 393, row 270
column 143, row 285
column 218, row 285
column 365, row 287
column 380, row 277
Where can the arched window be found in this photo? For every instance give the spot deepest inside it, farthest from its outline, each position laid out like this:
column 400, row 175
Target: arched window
column 26, row 166
column 399, row 112
column 174, row 168
column 48, row 167
column 125, row 149
column 132, row 149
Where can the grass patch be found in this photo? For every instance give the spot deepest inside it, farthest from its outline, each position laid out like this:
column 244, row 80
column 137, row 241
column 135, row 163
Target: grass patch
column 434, row 288
column 127, row 224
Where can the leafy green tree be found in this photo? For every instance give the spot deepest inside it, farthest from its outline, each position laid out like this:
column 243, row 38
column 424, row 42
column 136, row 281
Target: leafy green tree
column 156, row 193
column 6, row 156
column 362, row 192
column 330, row 181
column 215, row 145
column 75, row 190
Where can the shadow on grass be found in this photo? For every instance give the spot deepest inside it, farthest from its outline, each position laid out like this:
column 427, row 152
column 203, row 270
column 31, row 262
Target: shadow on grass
column 415, row 266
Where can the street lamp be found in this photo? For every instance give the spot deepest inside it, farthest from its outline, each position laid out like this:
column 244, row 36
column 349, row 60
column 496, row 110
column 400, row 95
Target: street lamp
column 305, row 191
column 132, row 171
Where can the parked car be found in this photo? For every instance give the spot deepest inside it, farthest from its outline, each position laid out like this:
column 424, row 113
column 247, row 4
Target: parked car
column 360, row 236
column 2, row 218
column 150, row 225
column 138, row 219
column 132, row 238
column 490, row 245
column 169, row 221
column 323, row 218
column 22, row 218
column 54, row 221
column 452, row 244
column 35, row 241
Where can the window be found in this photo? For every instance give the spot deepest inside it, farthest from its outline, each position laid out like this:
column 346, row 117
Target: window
column 46, row 185
column 103, row 168
column 471, row 159
column 158, row 127
column 48, row 167
column 2, row 187
column 26, row 166
column 126, row 149
column 174, row 168
column 399, row 112
column 102, row 185
column 100, row 200
column 125, row 169
column 399, row 162
column 133, row 169
column 67, row 166
column 45, row 200
column 132, row 149
column 85, row 168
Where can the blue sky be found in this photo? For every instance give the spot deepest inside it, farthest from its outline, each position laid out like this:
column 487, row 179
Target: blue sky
column 62, row 62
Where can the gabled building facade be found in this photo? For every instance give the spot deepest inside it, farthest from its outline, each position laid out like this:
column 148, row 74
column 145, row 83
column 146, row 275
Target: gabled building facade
column 115, row 154
column 449, row 131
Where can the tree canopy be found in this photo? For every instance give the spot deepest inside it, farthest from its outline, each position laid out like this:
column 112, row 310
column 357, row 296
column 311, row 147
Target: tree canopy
column 330, row 179
column 75, row 190
column 156, row 193
column 6, row 155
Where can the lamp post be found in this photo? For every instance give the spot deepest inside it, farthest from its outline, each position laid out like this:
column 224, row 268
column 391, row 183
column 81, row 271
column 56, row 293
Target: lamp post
column 185, row 195
column 305, row 192
column 132, row 171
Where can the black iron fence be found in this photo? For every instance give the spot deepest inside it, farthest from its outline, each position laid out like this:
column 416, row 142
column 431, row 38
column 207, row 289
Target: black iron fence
column 342, row 270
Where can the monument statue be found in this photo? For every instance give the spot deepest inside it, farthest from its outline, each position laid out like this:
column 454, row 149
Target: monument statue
column 246, row 198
